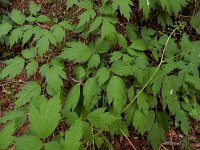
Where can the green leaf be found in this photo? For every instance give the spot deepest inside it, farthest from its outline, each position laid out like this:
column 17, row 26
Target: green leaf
column 34, row 8
column 5, row 28
column 124, row 7
column 73, row 97
column 90, row 92
column 70, row 3
column 17, row 17
column 58, row 33
column 122, row 68
column 85, row 17
column 11, row 115
column 43, row 42
column 116, row 93
column 54, row 76
column 31, row 68
column 17, row 63
column 145, row 6
column 94, row 61
column 73, row 136
column 16, row 34
column 28, row 34
column 101, row 119
column 29, row 53
column 78, row 52
column 103, row 74
column 183, row 119
column 28, row 142
column 6, row 137
column 79, row 73
column 108, row 30
column 45, row 119
column 53, row 145
column 42, row 19
column 95, row 24
column 30, row 90
column 140, row 121
column 122, row 41
column 142, row 103
column 115, row 56
column 138, row 45
column 193, row 81
column 156, row 135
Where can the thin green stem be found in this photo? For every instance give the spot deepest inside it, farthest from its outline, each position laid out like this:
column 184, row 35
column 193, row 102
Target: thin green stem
column 155, row 72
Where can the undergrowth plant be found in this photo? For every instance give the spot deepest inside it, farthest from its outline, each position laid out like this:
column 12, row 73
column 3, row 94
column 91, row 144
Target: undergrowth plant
column 141, row 77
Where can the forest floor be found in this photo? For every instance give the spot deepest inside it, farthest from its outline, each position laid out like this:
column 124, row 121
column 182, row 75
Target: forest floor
column 174, row 138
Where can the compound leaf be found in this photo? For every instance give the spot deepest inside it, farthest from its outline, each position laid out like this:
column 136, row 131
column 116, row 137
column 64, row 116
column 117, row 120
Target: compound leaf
column 116, row 93
column 26, row 142
column 17, row 16
column 30, row 90
column 6, row 137
column 73, row 136
column 17, row 63
column 44, row 120
column 77, row 52
column 101, row 119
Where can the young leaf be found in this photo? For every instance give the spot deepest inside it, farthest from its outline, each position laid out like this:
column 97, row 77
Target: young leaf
column 26, row 142
column 121, row 68
column 5, row 27
column 53, row 145
column 78, row 52
column 138, row 45
column 124, row 7
column 73, row 136
column 17, row 63
column 79, row 73
column 17, row 17
column 116, row 93
column 94, row 61
column 85, row 17
column 58, row 33
column 73, row 97
column 29, row 53
column 16, row 34
column 6, row 137
column 31, row 68
column 42, row 19
column 28, row 33
column 90, row 91
column 115, row 56
column 108, row 30
column 70, row 3
column 54, row 76
column 45, row 119
column 145, row 6
column 11, row 115
column 95, row 24
column 142, row 103
column 156, row 135
column 101, row 119
column 103, row 75
column 183, row 119
column 43, row 42
column 34, row 8
column 140, row 121
column 30, row 90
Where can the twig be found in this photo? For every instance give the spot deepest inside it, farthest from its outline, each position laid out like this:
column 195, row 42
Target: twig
column 128, row 139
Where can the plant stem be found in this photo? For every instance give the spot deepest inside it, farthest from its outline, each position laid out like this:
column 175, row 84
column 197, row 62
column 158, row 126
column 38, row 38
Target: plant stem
column 155, row 72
